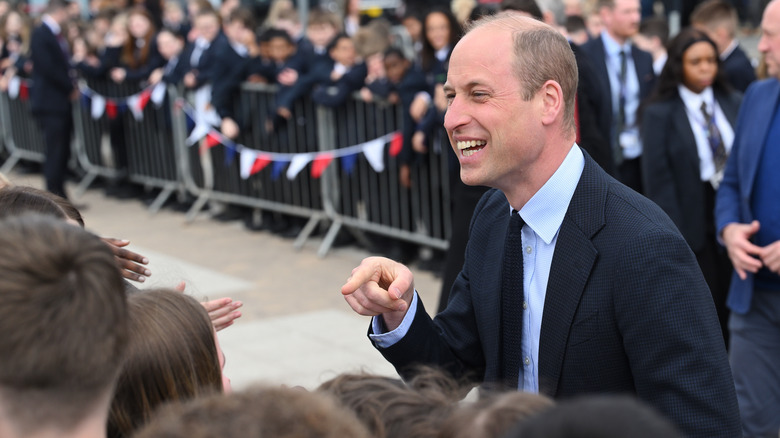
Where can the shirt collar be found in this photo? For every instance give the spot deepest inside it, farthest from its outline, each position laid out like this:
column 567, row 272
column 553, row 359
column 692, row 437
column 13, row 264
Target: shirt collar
column 612, row 47
column 442, row 53
column 545, row 210
column 729, row 50
column 52, row 23
column 693, row 100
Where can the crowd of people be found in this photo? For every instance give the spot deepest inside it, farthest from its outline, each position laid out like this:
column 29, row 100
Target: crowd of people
column 676, row 305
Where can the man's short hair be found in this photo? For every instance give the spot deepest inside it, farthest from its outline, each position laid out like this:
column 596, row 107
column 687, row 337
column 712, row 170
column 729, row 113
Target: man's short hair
column 244, row 16
column 655, row 27
column 541, row 53
column 715, row 13
column 63, row 317
column 256, row 413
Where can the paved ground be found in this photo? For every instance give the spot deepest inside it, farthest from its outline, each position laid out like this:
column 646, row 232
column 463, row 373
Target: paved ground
column 296, row 328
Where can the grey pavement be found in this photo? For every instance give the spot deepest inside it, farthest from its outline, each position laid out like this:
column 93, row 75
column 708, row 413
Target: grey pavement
column 296, row 328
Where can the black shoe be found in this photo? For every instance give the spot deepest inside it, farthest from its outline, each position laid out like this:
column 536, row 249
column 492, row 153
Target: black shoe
column 230, row 213
column 124, row 191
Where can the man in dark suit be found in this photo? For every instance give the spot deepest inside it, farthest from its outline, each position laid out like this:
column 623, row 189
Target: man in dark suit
column 52, row 92
column 718, row 19
column 585, row 287
column 746, row 216
column 625, row 75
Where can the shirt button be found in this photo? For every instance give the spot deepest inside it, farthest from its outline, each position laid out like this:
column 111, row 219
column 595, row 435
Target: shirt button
column 528, row 249
column 525, row 305
column 527, row 360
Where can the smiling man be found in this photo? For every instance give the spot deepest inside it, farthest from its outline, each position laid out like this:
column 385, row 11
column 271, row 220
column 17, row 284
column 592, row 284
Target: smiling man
column 572, row 282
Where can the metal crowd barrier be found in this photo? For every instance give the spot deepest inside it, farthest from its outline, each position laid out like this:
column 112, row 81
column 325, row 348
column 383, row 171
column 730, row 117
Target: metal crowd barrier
column 211, row 176
column 361, row 200
column 367, row 200
column 141, row 150
column 22, row 136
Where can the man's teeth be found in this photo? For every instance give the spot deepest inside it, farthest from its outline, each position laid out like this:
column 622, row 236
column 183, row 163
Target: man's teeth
column 470, row 144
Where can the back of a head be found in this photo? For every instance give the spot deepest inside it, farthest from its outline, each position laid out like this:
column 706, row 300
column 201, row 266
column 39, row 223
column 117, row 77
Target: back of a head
column 391, row 408
column 597, row 417
column 259, row 412
column 530, row 7
column 715, row 13
column 494, row 415
column 655, row 27
column 171, row 356
column 63, row 317
column 18, row 200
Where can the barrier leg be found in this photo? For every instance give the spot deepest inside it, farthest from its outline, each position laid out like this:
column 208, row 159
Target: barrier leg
column 84, row 184
column 196, row 207
column 306, row 231
column 159, row 201
column 9, row 164
column 333, row 231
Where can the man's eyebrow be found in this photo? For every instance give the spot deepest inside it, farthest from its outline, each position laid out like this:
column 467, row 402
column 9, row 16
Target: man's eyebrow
column 468, row 86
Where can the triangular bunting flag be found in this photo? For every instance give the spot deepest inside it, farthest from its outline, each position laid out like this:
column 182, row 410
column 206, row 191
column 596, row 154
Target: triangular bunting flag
column 277, row 169
column 230, row 153
column 85, row 100
column 246, row 160
column 134, row 104
column 348, row 163
column 297, row 164
column 211, row 140
column 396, row 144
column 190, row 122
column 111, row 109
column 259, row 164
column 24, row 91
column 374, row 152
column 143, row 98
column 98, row 106
column 13, row 87
column 320, row 164
column 158, row 94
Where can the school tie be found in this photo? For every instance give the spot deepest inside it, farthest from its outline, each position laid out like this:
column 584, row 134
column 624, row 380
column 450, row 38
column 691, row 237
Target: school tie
column 511, row 303
column 620, row 118
column 719, row 155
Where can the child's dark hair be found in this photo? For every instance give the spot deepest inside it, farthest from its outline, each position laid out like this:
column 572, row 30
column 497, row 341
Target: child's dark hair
column 332, row 44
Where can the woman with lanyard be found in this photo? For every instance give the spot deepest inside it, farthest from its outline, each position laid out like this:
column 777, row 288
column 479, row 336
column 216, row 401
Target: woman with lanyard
column 687, row 127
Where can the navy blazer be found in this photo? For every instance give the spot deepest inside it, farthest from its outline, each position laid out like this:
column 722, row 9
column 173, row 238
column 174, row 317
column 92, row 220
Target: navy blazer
column 334, row 93
column 627, row 310
column 671, row 168
column 52, row 84
column 597, row 55
column 738, row 69
column 733, row 198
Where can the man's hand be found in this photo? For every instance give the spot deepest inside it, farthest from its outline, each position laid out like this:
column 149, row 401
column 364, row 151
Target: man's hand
column 770, row 255
column 222, row 312
column 741, row 251
column 380, row 286
column 130, row 263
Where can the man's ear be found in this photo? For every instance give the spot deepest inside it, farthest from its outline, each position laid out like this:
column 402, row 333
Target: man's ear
column 551, row 95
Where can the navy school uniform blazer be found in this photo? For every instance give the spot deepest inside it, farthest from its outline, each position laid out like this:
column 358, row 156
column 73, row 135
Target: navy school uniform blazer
column 671, row 168
column 627, row 310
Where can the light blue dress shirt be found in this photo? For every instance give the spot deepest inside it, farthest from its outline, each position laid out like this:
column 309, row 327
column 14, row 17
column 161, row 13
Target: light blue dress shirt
column 629, row 138
column 543, row 215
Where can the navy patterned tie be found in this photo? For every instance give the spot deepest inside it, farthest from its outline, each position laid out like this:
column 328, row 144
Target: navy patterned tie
column 512, row 303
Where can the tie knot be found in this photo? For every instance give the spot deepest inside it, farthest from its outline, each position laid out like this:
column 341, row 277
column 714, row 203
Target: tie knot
column 516, row 221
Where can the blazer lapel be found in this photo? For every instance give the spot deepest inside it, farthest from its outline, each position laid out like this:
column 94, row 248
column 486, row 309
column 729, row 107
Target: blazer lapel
column 571, row 266
column 760, row 121
column 683, row 135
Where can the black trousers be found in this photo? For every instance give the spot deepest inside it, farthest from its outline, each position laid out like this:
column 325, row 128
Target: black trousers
column 57, row 131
